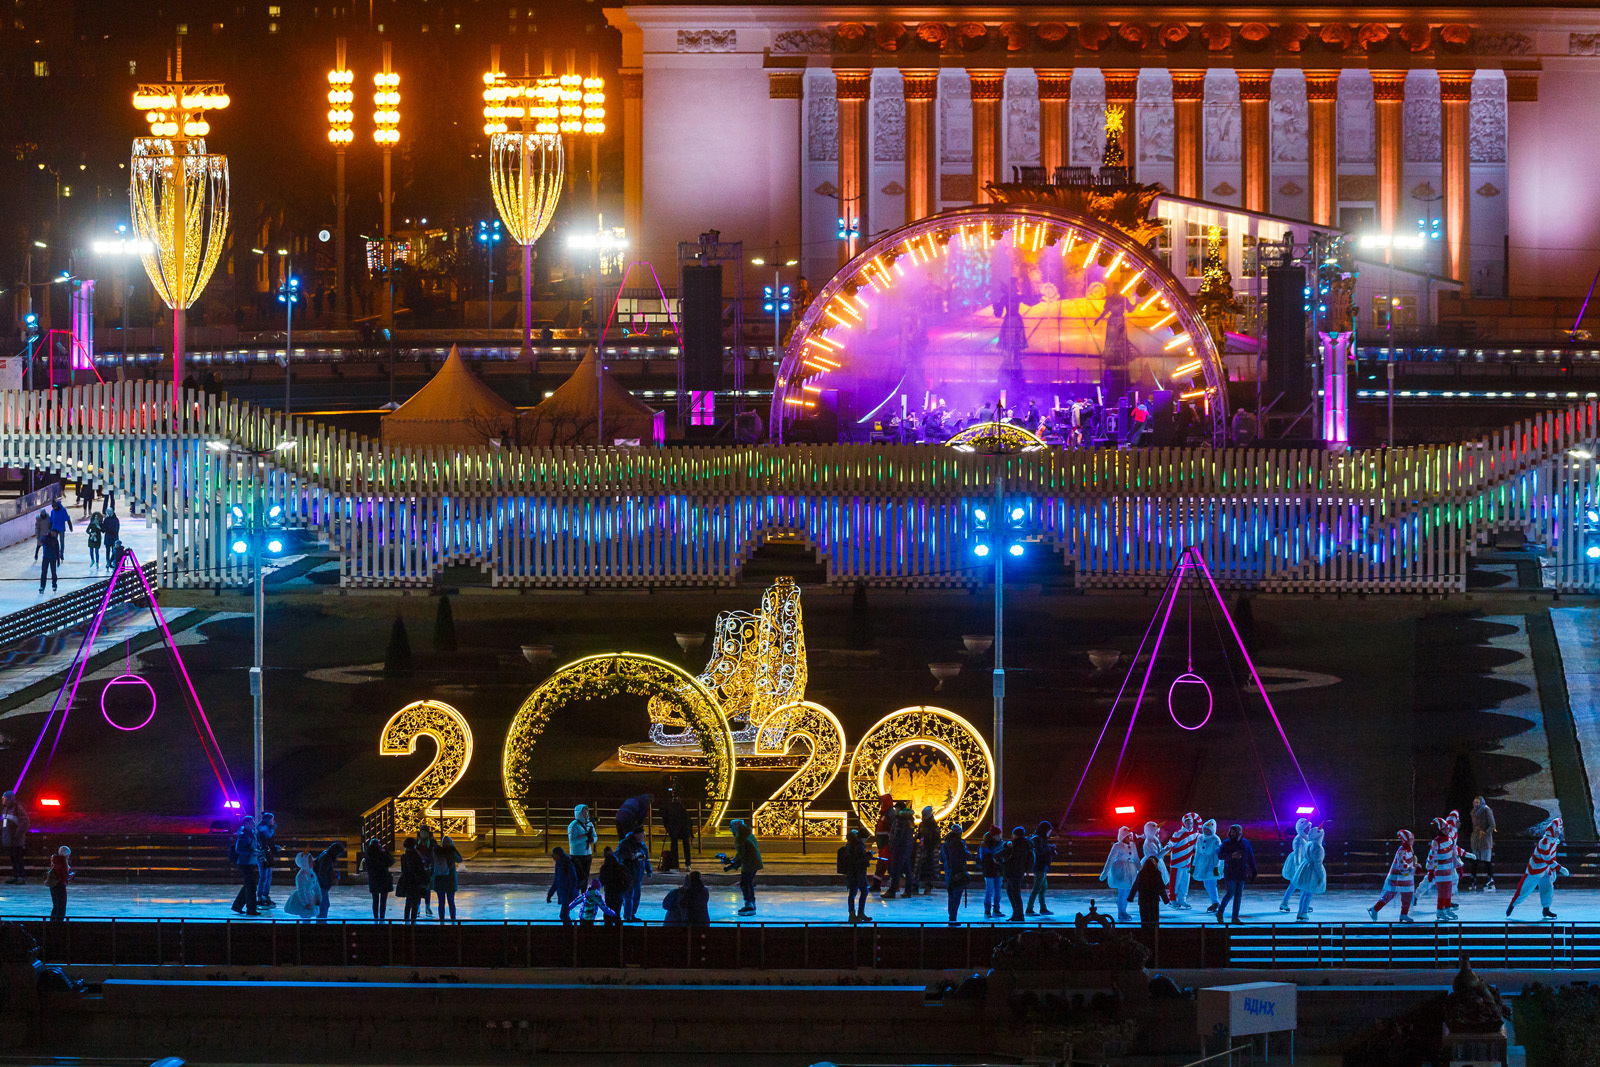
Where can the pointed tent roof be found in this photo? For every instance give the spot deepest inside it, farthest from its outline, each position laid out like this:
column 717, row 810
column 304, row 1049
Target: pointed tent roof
column 452, row 409
column 570, row 411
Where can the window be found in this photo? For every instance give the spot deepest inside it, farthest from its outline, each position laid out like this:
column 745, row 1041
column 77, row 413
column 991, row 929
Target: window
column 1405, row 310
column 272, row 27
column 1195, row 237
column 133, row 67
column 1161, row 243
column 1247, row 255
column 41, row 68
column 274, row 11
column 216, row 27
column 183, row 29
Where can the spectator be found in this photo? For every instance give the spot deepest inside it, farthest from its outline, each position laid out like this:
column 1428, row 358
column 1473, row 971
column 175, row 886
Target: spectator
column 413, row 884
column 989, row 864
column 266, row 833
column 445, row 860
column 380, row 882
column 1482, row 842
column 60, row 523
column 928, row 847
column 41, row 530
column 425, row 848
column 635, row 811
column 746, row 860
column 306, row 900
column 613, row 879
column 580, row 842
column 880, row 834
column 83, row 493
column 902, row 844
column 564, row 884
column 956, row 877
column 13, row 833
column 689, row 904
column 679, row 827
column 1238, row 866
column 1015, row 860
column 60, row 874
column 634, row 855
column 93, row 538
column 1150, row 890
column 248, row 861
column 327, row 868
column 1043, row 853
column 853, row 861
column 50, row 565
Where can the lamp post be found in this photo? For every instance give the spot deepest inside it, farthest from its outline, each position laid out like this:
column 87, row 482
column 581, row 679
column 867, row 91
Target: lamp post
column 489, row 236
column 288, row 293
column 253, row 535
column 341, row 114
column 121, row 247
column 1389, row 242
column 600, row 243
column 386, row 132
column 998, row 537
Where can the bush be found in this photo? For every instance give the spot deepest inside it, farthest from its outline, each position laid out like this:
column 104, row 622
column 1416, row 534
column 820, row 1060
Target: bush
column 397, row 659
column 444, row 627
column 1559, row 1027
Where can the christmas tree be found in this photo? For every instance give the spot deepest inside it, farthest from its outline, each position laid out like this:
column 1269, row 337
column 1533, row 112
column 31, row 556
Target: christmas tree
column 1218, row 306
column 1113, row 156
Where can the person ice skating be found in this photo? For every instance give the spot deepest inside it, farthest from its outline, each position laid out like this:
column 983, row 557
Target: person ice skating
column 593, row 903
column 746, row 860
column 93, row 536
column 689, row 904
column 564, row 884
column 1291, row 862
column 1312, row 876
column 902, row 845
column 1238, row 860
column 1444, row 868
column 1120, row 871
column 613, row 879
column 880, row 837
column 327, row 867
column 60, row 523
column 266, row 836
column 1180, row 858
column 111, row 527
column 580, row 841
column 13, row 834
column 1541, row 871
column 413, row 884
column 635, row 811
column 84, row 494
column 989, row 863
column 50, row 562
column 380, row 882
column 955, row 856
column 246, row 859
column 1150, row 888
column 634, row 856
column 679, row 827
column 928, row 846
column 1043, row 853
column 1015, row 859
column 41, row 530
column 306, row 900
column 1152, row 847
column 60, row 874
column 1402, row 879
column 853, row 860
column 1482, row 842
column 1207, row 845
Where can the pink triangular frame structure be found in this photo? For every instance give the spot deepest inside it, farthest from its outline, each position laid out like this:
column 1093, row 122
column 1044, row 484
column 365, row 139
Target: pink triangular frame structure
column 1190, row 557
column 80, row 663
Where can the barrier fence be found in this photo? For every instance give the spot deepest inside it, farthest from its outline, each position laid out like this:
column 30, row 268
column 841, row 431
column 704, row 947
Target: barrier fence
column 766, row 945
column 1290, row 519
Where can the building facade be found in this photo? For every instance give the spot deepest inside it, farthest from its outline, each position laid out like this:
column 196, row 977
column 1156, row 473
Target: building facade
column 773, row 123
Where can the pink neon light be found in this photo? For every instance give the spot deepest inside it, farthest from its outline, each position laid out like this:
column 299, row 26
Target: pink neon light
column 1189, row 678
column 128, row 679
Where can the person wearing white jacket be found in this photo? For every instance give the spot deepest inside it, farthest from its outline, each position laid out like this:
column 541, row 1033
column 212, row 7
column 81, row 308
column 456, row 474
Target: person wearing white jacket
column 1311, row 877
column 1291, row 862
column 1121, row 869
column 1205, row 860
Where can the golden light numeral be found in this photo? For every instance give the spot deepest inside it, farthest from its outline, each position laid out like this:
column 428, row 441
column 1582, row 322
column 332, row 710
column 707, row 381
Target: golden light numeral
column 414, row 804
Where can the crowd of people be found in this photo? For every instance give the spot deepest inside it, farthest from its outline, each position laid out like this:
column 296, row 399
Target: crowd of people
column 103, row 530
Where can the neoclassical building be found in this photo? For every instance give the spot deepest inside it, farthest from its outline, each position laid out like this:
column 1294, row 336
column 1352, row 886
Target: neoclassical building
column 770, row 123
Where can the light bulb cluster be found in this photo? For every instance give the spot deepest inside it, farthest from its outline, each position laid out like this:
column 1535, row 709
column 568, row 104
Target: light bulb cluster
column 386, row 117
column 173, row 110
column 341, row 102
column 553, row 104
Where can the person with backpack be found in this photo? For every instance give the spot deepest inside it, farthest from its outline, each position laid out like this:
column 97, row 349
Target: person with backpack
column 93, row 537
column 1043, row 853
column 1014, row 862
column 955, row 856
column 989, row 865
column 853, row 861
column 247, row 860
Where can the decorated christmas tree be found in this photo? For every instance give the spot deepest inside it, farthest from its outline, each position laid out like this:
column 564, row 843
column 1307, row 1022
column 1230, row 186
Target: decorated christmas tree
column 1113, row 157
column 1218, row 305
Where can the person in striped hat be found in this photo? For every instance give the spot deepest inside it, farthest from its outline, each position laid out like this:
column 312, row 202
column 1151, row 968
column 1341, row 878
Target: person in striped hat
column 1402, row 879
column 1542, row 870
column 1444, row 867
column 1180, row 859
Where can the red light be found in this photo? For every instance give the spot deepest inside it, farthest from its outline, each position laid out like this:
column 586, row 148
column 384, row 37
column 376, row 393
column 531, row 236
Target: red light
column 1126, row 809
column 49, row 802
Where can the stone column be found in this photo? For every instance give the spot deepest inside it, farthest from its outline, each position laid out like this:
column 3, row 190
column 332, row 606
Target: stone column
column 1455, row 96
column 922, row 146
column 1389, row 97
column 783, row 158
column 854, row 87
column 633, row 154
column 988, row 94
column 1122, row 87
column 1188, row 97
column 1526, row 271
column 1322, row 97
column 1255, row 127
column 1055, row 98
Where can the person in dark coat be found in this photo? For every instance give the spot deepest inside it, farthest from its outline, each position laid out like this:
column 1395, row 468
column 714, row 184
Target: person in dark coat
column 446, row 858
column 564, row 884
column 246, row 858
column 266, row 836
column 635, row 811
column 955, row 856
column 902, row 845
column 679, row 827
column 111, row 529
column 380, row 882
column 634, row 855
column 1150, row 890
column 689, row 904
column 880, row 837
column 989, row 850
column 326, row 866
column 1238, row 861
column 1015, row 859
column 1043, row 853
column 413, row 884
column 613, row 880
column 928, row 848
column 50, row 564
column 854, row 859
column 746, row 860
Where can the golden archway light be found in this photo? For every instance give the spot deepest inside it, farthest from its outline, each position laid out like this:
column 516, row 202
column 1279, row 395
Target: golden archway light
column 417, row 802
column 613, row 674
column 946, row 732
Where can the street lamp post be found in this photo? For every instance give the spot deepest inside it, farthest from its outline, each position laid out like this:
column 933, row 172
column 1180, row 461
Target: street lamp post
column 998, row 538
column 489, row 236
column 1389, row 242
column 288, row 293
column 386, row 132
column 601, row 243
column 122, row 247
column 341, row 113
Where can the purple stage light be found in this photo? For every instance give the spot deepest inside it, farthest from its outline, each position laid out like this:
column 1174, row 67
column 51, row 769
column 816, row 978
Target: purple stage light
column 1304, row 810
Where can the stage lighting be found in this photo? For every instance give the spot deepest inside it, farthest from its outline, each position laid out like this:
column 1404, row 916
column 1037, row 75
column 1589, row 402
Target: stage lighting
column 1016, row 514
column 1124, row 809
column 1304, row 810
column 240, row 546
column 1016, row 550
column 980, row 550
column 1593, row 552
column 49, row 802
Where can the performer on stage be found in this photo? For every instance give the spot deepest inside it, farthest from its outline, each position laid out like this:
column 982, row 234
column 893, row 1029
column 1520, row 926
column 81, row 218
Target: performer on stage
column 1291, row 862
column 1206, row 849
column 1122, row 867
column 1542, row 870
column 1402, row 879
column 1181, row 848
column 1312, row 876
column 1444, row 867
column 1152, row 845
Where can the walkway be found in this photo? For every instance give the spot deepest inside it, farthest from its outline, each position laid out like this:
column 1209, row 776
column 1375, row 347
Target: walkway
column 19, row 573
column 1580, row 662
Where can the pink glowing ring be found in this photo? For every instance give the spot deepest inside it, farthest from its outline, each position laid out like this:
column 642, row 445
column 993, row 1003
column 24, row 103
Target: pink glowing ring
column 1190, row 678
column 128, row 679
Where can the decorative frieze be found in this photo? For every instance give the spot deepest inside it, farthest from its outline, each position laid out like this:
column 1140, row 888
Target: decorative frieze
column 822, row 120
column 1022, row 120
column 708, row 40
column 1487, row 117
column 1290, row 125
column 888, row 119
column 1221, row 114
column 1421, row 124
column 1357, row 139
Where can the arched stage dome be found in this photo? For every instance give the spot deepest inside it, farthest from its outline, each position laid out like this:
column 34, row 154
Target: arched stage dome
column 1033, row 303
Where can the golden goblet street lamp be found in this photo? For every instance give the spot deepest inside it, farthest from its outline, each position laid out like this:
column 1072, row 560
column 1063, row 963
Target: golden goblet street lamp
column 386, row 132
column 341, row 116
column 179, row 195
